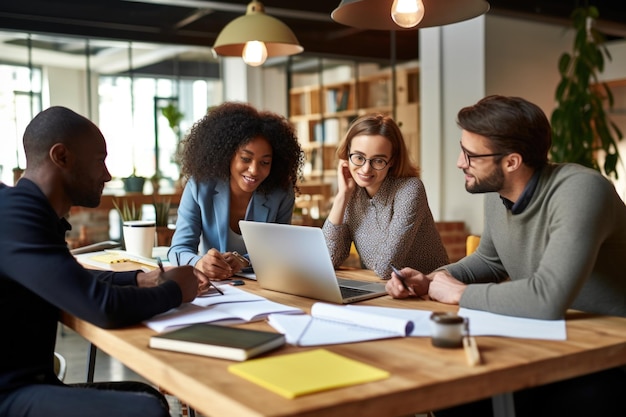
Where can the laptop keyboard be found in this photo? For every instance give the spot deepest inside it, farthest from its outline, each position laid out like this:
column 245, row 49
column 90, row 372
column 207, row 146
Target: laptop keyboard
column 348, row 292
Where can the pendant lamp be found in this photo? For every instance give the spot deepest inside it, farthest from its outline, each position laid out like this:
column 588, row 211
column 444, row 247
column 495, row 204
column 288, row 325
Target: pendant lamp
column 406, row 14
column 256, row 36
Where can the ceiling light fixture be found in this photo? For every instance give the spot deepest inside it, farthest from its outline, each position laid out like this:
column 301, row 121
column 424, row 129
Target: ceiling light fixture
column 256, row 36
column 406, row 14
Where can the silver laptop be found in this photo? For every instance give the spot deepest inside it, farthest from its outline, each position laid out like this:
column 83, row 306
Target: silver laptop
column 295, row 260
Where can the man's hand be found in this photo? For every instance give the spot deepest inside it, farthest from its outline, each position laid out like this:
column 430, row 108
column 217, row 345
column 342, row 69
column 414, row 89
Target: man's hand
column 416, row 282
column 445, row 288
column 215, row 266
column 187, row 278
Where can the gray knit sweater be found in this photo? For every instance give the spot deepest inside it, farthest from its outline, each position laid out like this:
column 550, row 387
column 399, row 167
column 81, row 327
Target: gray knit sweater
column 567, row 249
column 396, row 225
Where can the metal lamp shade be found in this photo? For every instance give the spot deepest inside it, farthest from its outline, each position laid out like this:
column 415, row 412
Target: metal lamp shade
column 255, row 25
column 376, row 14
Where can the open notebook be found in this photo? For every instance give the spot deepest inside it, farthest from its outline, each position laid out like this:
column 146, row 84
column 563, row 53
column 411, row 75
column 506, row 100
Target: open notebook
column 295, row 260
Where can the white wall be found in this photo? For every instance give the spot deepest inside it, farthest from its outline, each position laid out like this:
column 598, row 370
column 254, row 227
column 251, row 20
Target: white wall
column 452, row 62
column 522, row 59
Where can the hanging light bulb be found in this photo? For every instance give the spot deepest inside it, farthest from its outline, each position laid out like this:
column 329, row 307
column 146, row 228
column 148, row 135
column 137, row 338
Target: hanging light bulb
column 256, row 36
column 407, row 13
column 254, row 53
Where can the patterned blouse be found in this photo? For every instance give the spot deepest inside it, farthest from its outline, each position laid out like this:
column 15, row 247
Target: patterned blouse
column 395, row 226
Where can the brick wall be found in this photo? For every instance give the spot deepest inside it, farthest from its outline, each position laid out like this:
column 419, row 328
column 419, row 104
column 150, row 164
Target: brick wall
column 454, row 236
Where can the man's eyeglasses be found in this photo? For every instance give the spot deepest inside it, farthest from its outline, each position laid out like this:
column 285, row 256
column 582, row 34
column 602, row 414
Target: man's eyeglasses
column 376, row 163
column 468, row 156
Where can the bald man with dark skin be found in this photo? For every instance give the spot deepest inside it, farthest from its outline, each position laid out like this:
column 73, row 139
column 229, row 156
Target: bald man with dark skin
column 39, row 277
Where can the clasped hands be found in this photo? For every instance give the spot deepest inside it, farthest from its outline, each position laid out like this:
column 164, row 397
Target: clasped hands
column 439, row 286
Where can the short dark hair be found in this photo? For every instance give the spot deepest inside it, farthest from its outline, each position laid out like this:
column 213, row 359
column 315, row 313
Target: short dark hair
column 213, row 140
column 56, row 124
column 511, row 124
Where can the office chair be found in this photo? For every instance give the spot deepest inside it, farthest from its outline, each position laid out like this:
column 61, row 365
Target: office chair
column 60, row 366
column 471, row 244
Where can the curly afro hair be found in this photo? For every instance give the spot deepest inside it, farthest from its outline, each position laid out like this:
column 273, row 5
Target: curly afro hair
column 212, row 141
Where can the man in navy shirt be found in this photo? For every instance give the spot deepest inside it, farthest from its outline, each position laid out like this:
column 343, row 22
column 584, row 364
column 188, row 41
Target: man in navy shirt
column 39, row 277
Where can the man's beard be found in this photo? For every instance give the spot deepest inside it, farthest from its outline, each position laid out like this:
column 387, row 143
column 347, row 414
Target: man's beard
column 492, row 183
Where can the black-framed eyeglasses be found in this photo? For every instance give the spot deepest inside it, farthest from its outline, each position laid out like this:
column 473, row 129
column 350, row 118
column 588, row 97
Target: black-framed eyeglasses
column 376, row 163
column 468, row 156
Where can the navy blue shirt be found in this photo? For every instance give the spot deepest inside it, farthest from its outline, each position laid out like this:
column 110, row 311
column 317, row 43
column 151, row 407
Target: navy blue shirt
column 39, row 278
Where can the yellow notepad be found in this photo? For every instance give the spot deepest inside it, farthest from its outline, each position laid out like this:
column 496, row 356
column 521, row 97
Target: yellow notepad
column 303, row 373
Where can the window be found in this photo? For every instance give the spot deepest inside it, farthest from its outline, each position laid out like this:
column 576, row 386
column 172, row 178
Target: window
column 20, row 100
column 132, row 127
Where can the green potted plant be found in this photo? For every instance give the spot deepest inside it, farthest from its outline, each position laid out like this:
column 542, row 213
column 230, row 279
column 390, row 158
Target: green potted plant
column 127, row 210
column 134, row 183
column 581, row 128
column 174, row 116
column 162, row 213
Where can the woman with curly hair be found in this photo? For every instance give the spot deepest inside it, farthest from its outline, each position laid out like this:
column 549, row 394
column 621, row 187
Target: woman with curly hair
column 240, row 164
column 381, row 203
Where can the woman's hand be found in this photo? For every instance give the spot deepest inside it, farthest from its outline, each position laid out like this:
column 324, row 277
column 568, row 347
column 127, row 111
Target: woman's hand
column 345, row 183
column 216, row 266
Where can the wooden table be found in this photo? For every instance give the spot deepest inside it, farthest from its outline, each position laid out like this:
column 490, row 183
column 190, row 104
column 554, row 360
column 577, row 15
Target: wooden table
column 423, row 377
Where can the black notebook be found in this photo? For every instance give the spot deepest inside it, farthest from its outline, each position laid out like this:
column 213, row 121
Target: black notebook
column 218, row 341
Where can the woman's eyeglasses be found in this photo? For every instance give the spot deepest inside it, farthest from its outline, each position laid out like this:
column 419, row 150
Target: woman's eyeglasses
column 376, row 163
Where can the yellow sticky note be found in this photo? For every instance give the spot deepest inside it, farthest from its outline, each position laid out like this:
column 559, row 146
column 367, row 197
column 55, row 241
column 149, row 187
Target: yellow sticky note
column 303, row 373
column 109, row 258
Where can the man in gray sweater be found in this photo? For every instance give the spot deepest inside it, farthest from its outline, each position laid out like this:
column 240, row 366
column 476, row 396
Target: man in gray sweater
column 554, row 239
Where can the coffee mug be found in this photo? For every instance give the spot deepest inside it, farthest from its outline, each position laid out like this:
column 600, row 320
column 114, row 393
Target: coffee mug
column 448, row 329
column 139, row 237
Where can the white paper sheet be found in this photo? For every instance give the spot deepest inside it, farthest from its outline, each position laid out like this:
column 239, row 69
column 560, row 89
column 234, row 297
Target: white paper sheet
column 235, row 306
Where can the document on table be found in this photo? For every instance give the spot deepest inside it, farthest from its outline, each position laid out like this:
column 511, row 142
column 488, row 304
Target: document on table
column 483, row 323
column 331, row 324
column 235, row 306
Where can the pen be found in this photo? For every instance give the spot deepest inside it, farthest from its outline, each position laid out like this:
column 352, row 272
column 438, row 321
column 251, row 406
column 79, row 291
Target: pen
column 160, row 264
column 400, row 277
column 210, row 282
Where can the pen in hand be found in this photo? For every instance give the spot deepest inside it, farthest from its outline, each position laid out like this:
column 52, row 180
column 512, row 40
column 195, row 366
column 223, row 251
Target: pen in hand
column 210, row 282
column 400, row 277
column 160, row 264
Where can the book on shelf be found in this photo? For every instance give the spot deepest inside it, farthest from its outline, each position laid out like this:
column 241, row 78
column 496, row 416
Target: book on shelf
column 342, row 99
column 223, row 342
column 295, row 374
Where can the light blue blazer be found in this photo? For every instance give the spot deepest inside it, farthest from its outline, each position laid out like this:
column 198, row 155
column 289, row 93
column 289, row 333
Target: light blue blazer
column 203, row 218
